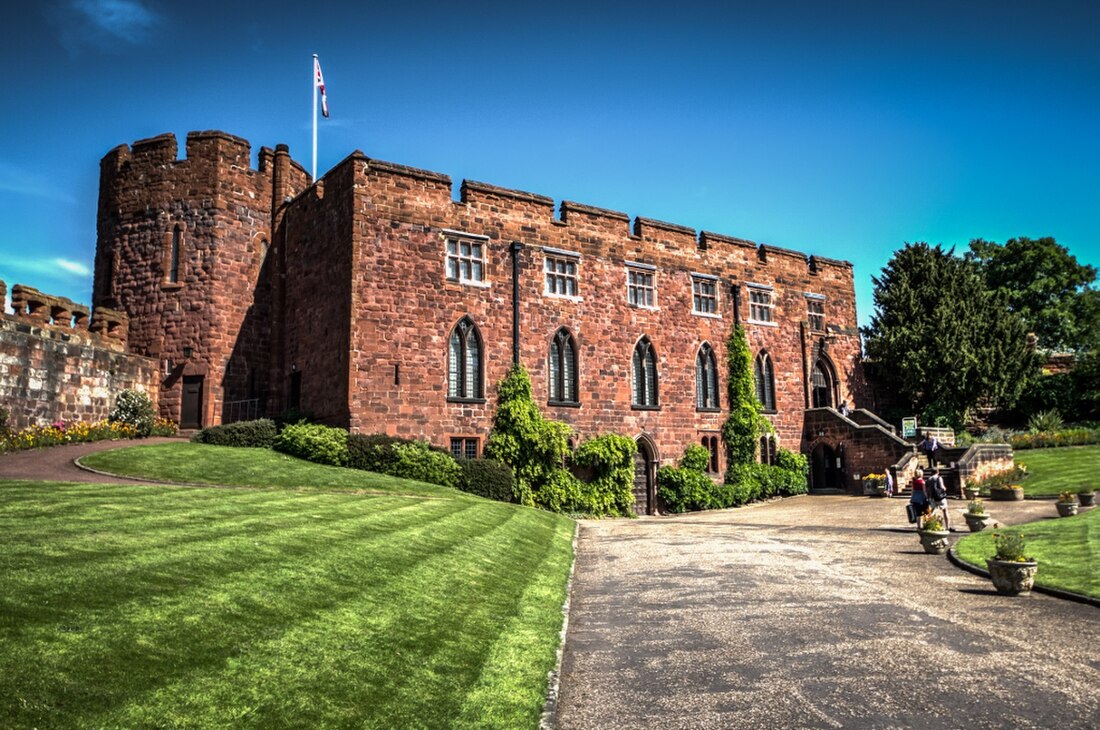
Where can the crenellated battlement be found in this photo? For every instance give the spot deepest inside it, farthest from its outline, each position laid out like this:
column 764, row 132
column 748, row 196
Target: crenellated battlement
column 62, row 315
column 418, row 195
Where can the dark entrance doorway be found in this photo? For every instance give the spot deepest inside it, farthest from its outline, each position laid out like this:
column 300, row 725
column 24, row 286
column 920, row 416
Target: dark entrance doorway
column 642, row 478
column 827, row 469
column 191, row 410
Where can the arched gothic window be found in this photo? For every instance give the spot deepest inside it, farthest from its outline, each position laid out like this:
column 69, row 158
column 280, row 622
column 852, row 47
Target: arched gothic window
column 644, row 375
column 821, row 383
column 767, row 449
column 174, row 260
column 563, row 368
column 764, row 375
column 464, row 379
column 706, row 378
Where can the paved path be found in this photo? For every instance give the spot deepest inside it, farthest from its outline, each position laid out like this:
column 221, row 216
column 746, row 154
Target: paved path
column 813, row 612
column 56, row 463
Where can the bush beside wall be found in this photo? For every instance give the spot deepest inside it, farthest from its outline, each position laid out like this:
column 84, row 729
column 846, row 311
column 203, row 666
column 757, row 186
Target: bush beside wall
column 260, row 433
column 313, row 442
column 487, row 478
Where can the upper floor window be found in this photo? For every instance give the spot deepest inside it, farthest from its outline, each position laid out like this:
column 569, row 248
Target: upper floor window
column 174, row 255
column 464, row 381
column 643, row 373
column 704, row 294
column 561, row 274
column 640, row 288
column 760, row 305
column 822, row 383
column 815, row 313
column 706, row 379
column 764, row 375
column 563, row 368
column 466, row 258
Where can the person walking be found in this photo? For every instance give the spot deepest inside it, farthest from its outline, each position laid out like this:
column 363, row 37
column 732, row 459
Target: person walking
column 936, row 492
column 929, row 446
column 918, row 500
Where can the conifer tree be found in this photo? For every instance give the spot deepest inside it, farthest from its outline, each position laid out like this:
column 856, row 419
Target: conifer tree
column 941, row 339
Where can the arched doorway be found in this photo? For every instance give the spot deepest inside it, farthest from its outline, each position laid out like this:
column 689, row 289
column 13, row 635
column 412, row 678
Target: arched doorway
column 826, row 468
column 643, row 478
column 822, row 383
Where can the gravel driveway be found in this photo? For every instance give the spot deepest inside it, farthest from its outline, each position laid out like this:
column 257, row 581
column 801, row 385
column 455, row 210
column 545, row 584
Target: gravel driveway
column 817, row 611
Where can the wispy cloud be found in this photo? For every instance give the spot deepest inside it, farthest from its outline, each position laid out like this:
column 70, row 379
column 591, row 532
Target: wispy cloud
column 15, row 180
column 103, row 24
column 57, row 268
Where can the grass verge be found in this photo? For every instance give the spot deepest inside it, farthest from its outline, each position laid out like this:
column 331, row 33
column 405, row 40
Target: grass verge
column 1051, row 471
column 1067, row 548
column 204, row 464
column 135, row 606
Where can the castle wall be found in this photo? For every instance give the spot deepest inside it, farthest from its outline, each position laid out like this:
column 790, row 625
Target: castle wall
column 57, row 365
column 198, row 318
column 403, row 308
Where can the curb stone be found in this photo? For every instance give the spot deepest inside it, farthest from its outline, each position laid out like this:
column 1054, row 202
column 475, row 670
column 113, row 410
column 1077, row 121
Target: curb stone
column 1056, row 592
column 550, row 708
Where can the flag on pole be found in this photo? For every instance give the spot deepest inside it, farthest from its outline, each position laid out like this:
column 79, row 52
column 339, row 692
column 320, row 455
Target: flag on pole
column 319, row 82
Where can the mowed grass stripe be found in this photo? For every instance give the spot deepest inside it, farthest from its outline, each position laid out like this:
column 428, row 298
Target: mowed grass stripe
column 431, row 644
column 259, row 468
column 173, row 561
column 135, row 619
column 1051, row 471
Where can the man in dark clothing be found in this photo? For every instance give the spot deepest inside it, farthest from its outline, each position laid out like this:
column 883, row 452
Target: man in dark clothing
column 929, row 446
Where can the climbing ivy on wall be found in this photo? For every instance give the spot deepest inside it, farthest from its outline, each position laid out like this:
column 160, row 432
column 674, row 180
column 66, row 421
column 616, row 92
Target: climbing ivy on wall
column 745, row 423
column 536, row 448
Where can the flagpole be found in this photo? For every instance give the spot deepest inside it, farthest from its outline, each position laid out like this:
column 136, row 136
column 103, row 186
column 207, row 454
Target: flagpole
column 313, row 93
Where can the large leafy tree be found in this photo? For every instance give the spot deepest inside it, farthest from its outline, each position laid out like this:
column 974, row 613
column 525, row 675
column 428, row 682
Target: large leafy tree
column 1046, row 285
column 941, row 340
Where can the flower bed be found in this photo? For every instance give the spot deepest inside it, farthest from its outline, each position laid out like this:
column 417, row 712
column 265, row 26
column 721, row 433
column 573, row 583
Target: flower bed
column 73, row 432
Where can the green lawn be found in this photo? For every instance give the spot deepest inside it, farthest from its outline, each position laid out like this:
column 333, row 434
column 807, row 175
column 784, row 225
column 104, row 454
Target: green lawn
column 1067, row 548
column 1051, row 471
column 135, row 606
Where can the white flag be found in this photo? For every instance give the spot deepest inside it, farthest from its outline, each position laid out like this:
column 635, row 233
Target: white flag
column 319, row 82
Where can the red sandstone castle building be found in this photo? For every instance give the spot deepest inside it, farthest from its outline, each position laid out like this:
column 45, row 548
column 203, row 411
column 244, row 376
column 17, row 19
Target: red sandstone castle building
column 371, row 299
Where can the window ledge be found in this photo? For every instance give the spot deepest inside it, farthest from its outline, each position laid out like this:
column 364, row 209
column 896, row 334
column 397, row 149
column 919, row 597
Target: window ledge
column 563, row 404
column 763, row 324
column 707, row 410
column 468, row 282
column 708, row 315
column 654, row 308
column 567, row 297
column 474, row 401
column 636, row 407
column 171, row 285
column 770, row 412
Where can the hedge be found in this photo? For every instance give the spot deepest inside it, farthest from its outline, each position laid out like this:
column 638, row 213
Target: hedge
column 260, row 433
column 487, row 478
column 314, row 442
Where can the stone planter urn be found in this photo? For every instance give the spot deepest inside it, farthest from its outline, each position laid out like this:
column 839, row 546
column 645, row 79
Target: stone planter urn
column 977, row 522
column 1006, row 494
column 1086, row 498
column 934, row 542
column 1066, row 509
column 972, row 492
column 1012, row 578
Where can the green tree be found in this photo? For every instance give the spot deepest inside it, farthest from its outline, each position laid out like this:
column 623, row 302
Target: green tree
column 1046, row 285
column 941, row 339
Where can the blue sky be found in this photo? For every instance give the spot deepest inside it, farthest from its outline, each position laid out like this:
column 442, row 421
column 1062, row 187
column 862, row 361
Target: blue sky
column 843, row 129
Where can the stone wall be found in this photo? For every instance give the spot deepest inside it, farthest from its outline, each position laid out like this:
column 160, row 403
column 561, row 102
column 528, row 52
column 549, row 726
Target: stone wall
column 56, row 364
column 381, row 228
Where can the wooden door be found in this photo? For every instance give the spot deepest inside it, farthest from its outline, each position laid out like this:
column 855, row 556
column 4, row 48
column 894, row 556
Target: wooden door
column 191, row 409
column 642, row 478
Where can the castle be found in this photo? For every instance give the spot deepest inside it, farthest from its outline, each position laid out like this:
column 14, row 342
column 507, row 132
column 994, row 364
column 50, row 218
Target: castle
column 373, row 300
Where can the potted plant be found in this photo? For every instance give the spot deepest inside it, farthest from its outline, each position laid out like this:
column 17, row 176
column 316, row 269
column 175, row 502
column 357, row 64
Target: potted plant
column 976, row 516
column 1006, row 493
column 933, row 538
column 1067, row 504
column 875, row 485
column 1013, row 573
column 1086, row 496
column 971, row 489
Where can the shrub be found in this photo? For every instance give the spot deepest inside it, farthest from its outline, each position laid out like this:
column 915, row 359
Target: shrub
column 487, row 478
column 134, row 408
column 1045, row 422
column 290, row 417
column 404, row 458
column 1066, row 437
column 260, row 433
column 687, row 487
column 314, row 442
column 793, row 462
